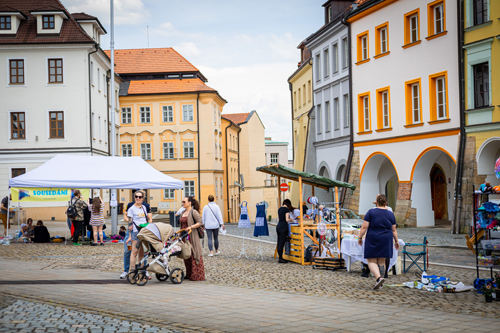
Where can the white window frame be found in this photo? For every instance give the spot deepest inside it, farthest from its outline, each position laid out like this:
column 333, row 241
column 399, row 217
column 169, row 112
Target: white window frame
column 187, row 113
column 417, row 99
column 126, row 115
column 414, row 18
column 364, row 47
column 335, row 54
column 188, row 149
column 345, row 46
column 366, row 113
column 99, row 128
column 346, row 111
column 145, row 115
column 168, row 194
column 318, row 66
column 168, row 150
column 328, row 117
column 318, row 116
column 443, row 93
column 383, row 40
column 336, row 111
column 438, row 23
column 146, row 151
column 385, row 109
column 98, row 79
column 326, row 59
column 274, row 158
column 126, row 148
column 189, row 188
column 167, row 113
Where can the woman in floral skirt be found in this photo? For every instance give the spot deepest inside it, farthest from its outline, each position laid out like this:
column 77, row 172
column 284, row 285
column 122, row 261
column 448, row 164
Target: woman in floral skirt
column 191, row 219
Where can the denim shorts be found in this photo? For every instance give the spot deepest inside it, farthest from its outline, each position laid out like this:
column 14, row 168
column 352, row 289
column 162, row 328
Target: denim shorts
column 134, row 236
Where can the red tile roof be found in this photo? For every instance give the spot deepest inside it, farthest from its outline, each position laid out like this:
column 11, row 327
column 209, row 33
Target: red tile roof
column 168, row 86
column 142, row 61
column 71, row 32
column 237, row 118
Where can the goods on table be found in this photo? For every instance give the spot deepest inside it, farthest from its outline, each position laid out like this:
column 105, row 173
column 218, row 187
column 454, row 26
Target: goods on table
column 491, row 244
column 488, row 261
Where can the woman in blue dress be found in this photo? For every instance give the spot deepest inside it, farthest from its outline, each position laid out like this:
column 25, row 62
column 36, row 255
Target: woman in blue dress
column 380, row 228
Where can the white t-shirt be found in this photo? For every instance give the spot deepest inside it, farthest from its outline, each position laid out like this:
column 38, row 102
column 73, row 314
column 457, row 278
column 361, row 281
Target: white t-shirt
column 138, row 215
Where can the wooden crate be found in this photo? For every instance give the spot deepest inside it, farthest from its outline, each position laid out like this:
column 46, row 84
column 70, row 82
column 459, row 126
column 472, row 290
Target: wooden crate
column 333, row 263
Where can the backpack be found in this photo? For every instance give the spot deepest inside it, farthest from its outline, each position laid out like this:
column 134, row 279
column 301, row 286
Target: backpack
column 71, row 211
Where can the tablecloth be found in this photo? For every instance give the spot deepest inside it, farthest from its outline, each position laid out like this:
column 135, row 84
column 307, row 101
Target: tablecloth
column 351, row 248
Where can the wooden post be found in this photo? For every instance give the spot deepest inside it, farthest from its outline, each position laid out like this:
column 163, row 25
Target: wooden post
column 314, row 206
column 301, row 224
column 337, row 211
column 279, row 192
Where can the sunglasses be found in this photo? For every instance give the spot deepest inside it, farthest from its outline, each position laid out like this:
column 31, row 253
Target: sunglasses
column 138, row 197
column 183, row 201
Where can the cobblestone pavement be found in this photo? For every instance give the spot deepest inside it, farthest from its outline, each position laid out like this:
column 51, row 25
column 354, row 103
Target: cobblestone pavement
column 24, row 316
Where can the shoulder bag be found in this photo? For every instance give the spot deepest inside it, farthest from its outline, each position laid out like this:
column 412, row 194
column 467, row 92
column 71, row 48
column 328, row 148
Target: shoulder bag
column 214, row 215
column 201, row 228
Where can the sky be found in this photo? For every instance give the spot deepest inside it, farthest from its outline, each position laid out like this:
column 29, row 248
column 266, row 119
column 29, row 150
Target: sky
column 246, row 49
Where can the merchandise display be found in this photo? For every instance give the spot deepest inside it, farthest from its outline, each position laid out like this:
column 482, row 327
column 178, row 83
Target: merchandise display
column 261, row 228
column 244, row 221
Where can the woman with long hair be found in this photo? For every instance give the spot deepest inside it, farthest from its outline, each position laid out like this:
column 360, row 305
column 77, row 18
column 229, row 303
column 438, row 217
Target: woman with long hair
column 97, row 219
column 191, row 220
column 284, row 217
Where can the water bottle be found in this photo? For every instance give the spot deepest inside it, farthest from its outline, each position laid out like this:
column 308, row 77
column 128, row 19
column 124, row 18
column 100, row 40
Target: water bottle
column 16, row 235
column 6, row 241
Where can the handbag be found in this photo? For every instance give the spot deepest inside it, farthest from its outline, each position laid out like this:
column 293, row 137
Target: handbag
column 201, row 229
column 185, row 250
column 214, row 215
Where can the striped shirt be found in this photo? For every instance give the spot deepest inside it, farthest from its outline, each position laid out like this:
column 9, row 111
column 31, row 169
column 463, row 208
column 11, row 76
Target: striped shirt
column 96, row 220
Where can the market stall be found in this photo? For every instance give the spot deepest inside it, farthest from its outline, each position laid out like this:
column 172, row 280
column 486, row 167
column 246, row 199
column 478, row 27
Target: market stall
column 301, row 232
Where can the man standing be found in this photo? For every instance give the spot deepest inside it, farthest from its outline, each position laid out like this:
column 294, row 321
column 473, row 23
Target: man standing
column 77, row 221
column 4, row 216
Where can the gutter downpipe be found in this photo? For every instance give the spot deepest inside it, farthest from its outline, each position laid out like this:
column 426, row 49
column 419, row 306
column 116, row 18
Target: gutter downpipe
column 458, row 182
column 291, row 103
column 227, row 172
column 239, row 172
column 90, row 97
column 107, row 113
column 198, row 125
column 351, row 135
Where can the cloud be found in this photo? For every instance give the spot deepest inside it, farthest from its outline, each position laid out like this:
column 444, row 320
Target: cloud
column 127, row 12
column 188, row 50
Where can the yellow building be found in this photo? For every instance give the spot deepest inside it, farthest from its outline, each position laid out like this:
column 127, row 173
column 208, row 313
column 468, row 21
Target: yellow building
column 231, row 166
column 300, row 83
column 481, row 92
column 172, row 119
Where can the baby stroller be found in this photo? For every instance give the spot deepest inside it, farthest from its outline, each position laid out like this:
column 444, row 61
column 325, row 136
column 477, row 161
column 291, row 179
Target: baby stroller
column 161, row 243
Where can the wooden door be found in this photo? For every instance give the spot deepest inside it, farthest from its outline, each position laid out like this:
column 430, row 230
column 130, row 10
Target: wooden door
column 438, row 193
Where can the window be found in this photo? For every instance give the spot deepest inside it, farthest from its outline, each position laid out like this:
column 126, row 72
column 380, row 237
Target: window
column 16, row 71
column 295, row 100
column 187, row 113
column 274, row 158
column 345, row 47
column 328, row 117
column 326, row 59
column 335, row 54
column 127, row 150
column 309, row 90
column 221, row 188
column 104, row 85
column 126, row 115
column 413, row 103
column 56, row 124
column 382, row 39
column 383, row 109
column 441, row 98
column 412, row 27
column 92, row 73
column 304, row 93
column 328, row 14
column 480, row 11
column 189, row 188
column 336, row 113
column 99, row 124
column 17, row 125
column 55, row 71
column 318, row 117
column 300, row 101
column 48, row 21
column 364, row 113
column 220, row 151
column 436, row 20
column 168, row 114
column 347, row 115
column 146, row 151
column 98, row 80
column 17, row 172
column 168, row 150
column 481, row 85
column 363, row 51
column 5, row 23
column 216, row 149
column 145, row 114
column 188, row 149
column 169, row 194
column 216, row 183
column 318, row 67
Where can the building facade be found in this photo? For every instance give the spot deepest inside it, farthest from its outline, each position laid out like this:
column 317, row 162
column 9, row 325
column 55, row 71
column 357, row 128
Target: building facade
column 481, row 95
column 231, row 166
column 172, row 119
column 277, row 153
column 330, row 135
column 406, row 112
column 57, row 93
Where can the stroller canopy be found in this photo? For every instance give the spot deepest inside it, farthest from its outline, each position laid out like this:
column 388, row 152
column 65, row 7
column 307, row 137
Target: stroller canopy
column 156, row 234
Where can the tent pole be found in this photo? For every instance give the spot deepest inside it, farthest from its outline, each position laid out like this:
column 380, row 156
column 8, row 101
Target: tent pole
column 113, row 200
column 337, row 211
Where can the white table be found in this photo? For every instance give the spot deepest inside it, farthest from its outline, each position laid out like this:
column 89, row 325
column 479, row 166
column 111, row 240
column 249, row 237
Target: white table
column 354, row 252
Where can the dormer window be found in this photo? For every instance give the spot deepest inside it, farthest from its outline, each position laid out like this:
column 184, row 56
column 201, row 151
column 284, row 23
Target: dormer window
column 328, row 14
column 5, row 22
column 48, row 21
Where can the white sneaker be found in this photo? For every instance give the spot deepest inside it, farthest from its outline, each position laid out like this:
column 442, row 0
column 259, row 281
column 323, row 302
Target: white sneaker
column 123, row 275
column 217, row 253
column 147, row 274
column 210, row 254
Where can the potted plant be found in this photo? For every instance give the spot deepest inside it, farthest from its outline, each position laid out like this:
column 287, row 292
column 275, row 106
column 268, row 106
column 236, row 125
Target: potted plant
column 487, row 290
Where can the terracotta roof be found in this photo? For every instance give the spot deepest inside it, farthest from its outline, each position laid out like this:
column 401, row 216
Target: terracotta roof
column 237, row 118
column 141, row 61
column 71, row 32
column 83, row 16
column 168, row 86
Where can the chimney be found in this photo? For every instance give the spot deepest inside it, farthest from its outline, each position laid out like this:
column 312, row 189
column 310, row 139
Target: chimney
column 268, row 138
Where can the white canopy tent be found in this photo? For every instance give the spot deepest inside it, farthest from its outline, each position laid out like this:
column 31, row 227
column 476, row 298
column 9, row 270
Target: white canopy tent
column 105, row 172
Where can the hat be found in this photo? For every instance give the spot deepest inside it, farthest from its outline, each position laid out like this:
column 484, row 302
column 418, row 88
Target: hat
column 24, row 225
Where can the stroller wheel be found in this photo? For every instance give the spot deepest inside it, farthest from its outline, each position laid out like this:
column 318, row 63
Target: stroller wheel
column 131, row 277
column 141, row 278
column 176, row 276
column 161, row 277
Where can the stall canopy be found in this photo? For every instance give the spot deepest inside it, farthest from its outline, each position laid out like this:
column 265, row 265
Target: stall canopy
column 307, row 178
column 109, row 172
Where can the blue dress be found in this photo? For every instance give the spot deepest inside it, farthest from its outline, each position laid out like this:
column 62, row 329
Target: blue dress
column 378, row 242
column 261, row 222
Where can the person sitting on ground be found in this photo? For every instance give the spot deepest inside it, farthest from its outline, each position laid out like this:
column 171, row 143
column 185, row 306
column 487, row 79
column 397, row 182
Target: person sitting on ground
column 30, row 234
column 122, row 232
column 23, row 235
column 41, row 234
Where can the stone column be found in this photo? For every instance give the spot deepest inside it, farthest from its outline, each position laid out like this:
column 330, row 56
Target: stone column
column 404, row 213
column 352, row 200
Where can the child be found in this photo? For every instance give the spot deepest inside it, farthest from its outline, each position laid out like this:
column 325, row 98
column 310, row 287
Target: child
column 122, row 232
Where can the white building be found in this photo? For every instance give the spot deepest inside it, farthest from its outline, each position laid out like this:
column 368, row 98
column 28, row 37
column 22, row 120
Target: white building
column 329, row 126
column 56, row 97
column 406, row 113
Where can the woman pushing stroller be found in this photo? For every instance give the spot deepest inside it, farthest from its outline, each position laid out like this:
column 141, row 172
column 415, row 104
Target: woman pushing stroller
column 138, row 215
